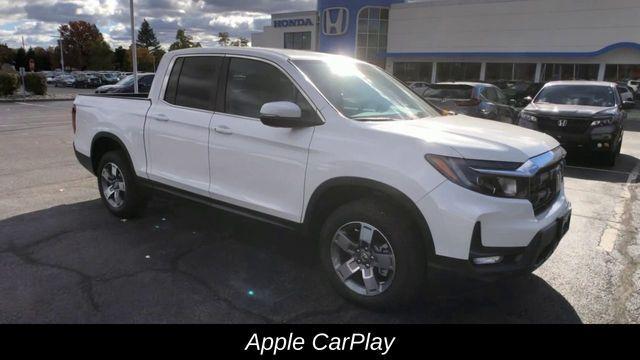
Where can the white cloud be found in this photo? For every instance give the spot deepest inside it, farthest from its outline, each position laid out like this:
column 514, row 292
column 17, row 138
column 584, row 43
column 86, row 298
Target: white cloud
column 38, row 20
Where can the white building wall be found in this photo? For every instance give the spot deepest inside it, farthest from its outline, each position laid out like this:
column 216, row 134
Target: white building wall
column 512, row 25
column 273, row 37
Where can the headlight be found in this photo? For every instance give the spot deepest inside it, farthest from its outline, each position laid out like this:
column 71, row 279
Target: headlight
column 602, row 121
column 528, row 117
column 482, row 176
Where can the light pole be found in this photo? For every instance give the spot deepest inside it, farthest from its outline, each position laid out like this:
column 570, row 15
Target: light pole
column 61, row 51
column 134, row 52
column 61, row 55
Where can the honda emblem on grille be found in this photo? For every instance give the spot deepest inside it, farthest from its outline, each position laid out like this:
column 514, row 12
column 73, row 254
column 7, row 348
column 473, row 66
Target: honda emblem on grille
column 562, row 123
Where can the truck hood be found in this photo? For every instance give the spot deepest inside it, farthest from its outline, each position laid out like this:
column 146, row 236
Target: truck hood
column 474, row 138
column 567, row 110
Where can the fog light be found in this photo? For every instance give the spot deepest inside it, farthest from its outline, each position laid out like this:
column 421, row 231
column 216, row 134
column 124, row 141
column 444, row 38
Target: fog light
column 487, row 260
column 606, row 145
column 599, row 145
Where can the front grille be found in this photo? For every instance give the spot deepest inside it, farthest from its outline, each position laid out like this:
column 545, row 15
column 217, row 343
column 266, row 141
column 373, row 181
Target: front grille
column 573, row 125
column 545, row 186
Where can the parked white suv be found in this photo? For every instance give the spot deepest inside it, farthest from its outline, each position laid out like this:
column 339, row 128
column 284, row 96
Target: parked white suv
column 339, row 149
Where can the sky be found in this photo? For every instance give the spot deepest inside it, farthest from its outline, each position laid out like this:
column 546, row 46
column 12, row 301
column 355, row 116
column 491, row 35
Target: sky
column 38, row 20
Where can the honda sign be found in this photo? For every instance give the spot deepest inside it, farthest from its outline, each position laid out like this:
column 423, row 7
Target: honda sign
column 335, row 21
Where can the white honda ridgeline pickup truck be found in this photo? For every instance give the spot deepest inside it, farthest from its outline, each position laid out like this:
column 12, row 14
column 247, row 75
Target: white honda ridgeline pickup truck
column 338, row 148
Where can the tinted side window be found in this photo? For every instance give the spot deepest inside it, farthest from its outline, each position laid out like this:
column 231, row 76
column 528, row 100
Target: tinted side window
column 172, row 85
column 252, row 83
column 490, row 94
column 502, row 99
column 146, row 80
column 193, row 82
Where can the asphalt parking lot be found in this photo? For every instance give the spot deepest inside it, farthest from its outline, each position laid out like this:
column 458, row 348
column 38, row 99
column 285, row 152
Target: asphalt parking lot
column 65, row 259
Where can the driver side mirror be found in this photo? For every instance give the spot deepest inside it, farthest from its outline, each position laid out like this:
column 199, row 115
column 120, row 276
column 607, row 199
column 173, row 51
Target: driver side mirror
column 628, row 105
column 528, row 99
column 284, row 114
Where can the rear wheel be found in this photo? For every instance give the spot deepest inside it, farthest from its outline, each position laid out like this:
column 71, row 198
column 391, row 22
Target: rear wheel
column 372, row 255
column 118, row 189
column 611, row 157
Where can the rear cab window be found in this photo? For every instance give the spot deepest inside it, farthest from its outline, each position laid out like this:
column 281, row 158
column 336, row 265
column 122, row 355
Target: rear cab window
column 193, row 82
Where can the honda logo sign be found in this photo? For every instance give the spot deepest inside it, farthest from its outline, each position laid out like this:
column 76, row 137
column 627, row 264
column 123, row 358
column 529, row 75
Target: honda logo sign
column 562, row 123
column 335, row 21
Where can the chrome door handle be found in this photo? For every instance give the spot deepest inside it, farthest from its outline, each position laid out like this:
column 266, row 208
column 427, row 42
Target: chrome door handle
column 224, row 130
column 161, row 117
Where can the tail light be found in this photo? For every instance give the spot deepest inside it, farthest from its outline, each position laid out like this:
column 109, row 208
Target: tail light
column 470, row 102
column 73, row 118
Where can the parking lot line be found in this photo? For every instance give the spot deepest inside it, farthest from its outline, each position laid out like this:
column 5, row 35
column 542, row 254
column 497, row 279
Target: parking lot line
column 33, row 104
column 602, row 170
column 633, row 175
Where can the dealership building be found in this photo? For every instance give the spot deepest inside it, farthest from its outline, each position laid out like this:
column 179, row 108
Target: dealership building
column 471, row 40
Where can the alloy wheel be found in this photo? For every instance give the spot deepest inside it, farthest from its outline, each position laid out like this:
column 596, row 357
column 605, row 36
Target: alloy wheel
column 113, row 185
column 363, row 258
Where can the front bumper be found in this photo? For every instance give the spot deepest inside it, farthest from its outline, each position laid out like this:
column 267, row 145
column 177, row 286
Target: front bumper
column 594, row 139
column 591, row 141
column 465, row 225
column 514, row 261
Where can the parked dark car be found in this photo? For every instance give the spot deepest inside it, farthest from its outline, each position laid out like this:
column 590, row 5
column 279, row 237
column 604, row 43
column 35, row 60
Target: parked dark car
column 582, row 115
column 626, row 92
column 65, row 80
column 108, row 78
column 474, row 99
column 87, row 81
column 125, row 86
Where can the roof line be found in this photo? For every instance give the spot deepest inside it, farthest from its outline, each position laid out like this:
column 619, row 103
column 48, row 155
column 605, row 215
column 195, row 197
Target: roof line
column 619, row 45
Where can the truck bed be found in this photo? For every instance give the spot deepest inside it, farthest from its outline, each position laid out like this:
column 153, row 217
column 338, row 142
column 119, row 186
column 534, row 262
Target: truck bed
column 122, row 115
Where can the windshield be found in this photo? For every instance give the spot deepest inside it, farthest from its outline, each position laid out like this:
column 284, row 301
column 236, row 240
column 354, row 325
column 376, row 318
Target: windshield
column 601, row 96
column 449, row 92
column 364, row 92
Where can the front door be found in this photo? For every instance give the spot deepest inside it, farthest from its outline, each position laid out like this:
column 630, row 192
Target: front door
column 252, row 165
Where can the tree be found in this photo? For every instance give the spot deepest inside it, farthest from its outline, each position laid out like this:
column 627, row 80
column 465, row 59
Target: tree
column 79, row 38
column 121, row 60
column 100, row 56
column 183, row 41
column 147, row 38
column 31, row 54
column 241, row 42
column 146, row 60
column 223, row 39
column 54, row 57
column 7, row 55
column 41, row 59
column 21, row 58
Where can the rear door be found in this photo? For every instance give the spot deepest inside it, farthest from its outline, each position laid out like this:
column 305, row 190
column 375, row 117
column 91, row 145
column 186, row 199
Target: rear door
column 255, row 166
column 177, row 127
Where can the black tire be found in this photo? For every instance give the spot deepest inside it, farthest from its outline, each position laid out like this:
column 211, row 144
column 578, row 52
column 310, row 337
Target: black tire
column 611, row 157
column 407, row 247
column 134, row 198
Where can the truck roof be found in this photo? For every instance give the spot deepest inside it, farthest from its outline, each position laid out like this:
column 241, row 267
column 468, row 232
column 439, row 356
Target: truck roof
column 284, row 54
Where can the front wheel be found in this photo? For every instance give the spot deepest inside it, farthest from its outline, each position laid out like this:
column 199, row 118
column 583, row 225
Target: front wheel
column 372, row 255
column 117, row 185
